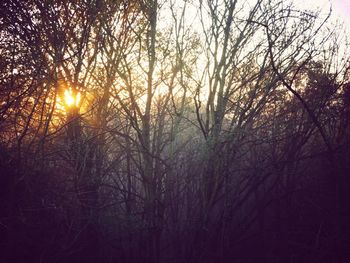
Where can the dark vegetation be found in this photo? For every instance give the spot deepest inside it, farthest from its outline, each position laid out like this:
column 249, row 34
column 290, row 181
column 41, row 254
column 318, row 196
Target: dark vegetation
column 205, row 132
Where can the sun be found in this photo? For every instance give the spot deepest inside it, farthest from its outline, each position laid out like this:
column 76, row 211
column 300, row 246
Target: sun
column 71, row 99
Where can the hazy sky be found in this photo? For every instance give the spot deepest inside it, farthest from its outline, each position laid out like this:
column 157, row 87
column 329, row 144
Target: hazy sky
column 341, row 8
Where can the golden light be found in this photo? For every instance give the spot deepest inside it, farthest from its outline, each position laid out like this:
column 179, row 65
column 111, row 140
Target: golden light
column 70, row 99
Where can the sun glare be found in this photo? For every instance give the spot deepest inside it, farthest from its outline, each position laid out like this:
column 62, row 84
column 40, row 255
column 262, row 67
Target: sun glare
column 70, row 99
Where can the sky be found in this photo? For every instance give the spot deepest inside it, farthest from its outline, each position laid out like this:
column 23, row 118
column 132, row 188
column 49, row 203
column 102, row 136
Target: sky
column 341, row 8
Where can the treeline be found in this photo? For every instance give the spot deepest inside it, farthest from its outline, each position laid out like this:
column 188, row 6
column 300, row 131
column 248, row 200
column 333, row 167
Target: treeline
column 173, row 131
